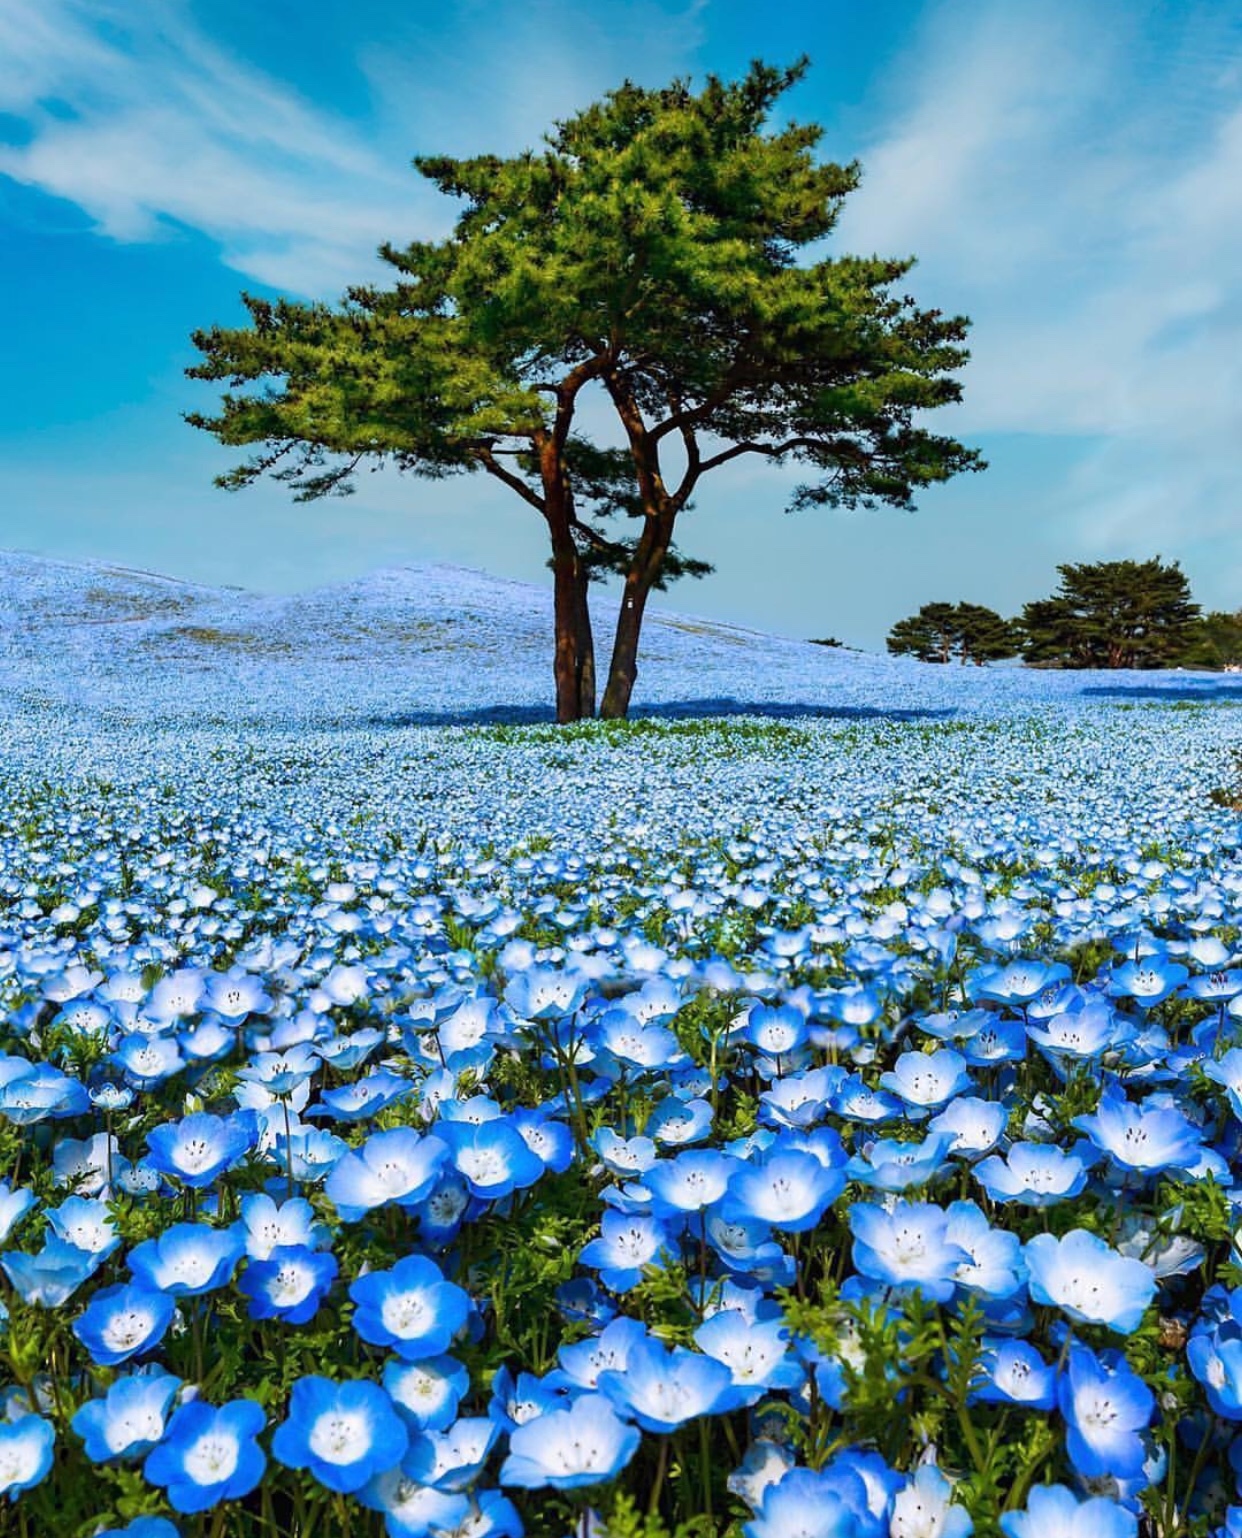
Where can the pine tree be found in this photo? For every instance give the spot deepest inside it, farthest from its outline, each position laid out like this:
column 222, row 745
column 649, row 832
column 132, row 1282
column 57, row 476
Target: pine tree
column 941, row 631
column 1112, row 614
column 661, row 251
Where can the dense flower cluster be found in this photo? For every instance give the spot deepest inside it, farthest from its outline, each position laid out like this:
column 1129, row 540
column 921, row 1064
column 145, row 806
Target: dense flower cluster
column 857, row 1160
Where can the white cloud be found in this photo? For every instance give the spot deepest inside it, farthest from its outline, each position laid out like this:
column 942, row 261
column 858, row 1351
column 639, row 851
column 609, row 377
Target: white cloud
column 1072, row 177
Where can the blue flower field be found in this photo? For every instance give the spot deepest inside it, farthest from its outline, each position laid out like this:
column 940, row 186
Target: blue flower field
column 811, row 1110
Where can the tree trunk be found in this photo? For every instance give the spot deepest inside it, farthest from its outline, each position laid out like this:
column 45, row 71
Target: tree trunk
column 644, row 570
column 573, row 664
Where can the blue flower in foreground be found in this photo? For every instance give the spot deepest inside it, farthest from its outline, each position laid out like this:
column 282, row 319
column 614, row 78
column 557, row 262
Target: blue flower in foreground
column 1148, row 982
column 187, row 1259
column 25, row 1453
column 451, row 1459
column 756, row 1352
column 200, row 1147
column 399, row 1166
column 427, row 1393
column 923, row 1508
column 1016, row 1375
column 492, row 1157
column 1033, row 1174
column 1087, row 1280
column 344, row 1433
column 789, row 1190
column 625, row 1245
column 411, row 1309
column 663, row 1387
column 804, row 1504
column 586, row 1444
column 123, row 1322
column 1106, row 1407
column 908, row 1247
column 14, row 1205
column 926, row 1081
column 269, row 1226
column 1145, row 1138
column 142, row 1527
column 129, row 1420
column 51, row 1277
column 209, row 1455
column 1052, row 1511
column 290, row 1284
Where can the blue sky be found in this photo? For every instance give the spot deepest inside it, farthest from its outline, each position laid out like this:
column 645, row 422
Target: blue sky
column 1069, row 173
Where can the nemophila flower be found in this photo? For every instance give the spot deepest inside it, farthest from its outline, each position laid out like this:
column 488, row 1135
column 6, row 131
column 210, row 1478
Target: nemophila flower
column 583, row 1361
column 451, row 1459
column 235, row 994
column 689, row 1181
column 1016, row 983
column 663, row 1387
column 626, row 1244
column 551, row 1141
column 129, row 1420
column 1087, row 1280
column 147, row 1061
column 789, row 1191
column 428, row 1392
column 995, row 1268
column 1142, row 1137
column 280, row 1073
column 290, row 1284
column 1052, row 1511
column 364, row 1098
column 1106, row 1407
column 411, row 1509
column 925, row 1081
column 975, row 1126
column 123, row 1322
column 624, row 1156
column 491, row 1157
column 801, row 1099
column 1033, row 1174
column 444, row 1209
column 14, row 1205
column 25, row 1453
column 765, row 1463
column 86, row 1223
column 1149, row 981
column 84, row 1163
column 343, row 1433
column 907, row 1247
column 399, row 1166
column 51, row 1277
column 855, row 1100
column 517, row 1400
column 200, row 1147
column 43, row 1094
column 209, row 1455
column 756, row 1352
column 1085, row 1031
column 187, row 1259
column 829, row 1504
column 996, row 1041
column 677, row 1122
column 1016, row 1374
column 142, row 1527
column 411, row 1308
column 545, row 993
column 269, row 1225
column 775, row 1032
column 586, row 1444
column 924, row 1508
column 889, row 1165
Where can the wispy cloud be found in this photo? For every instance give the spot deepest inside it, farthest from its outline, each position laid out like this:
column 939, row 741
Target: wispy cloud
column 133, row 112
column 1072, row 177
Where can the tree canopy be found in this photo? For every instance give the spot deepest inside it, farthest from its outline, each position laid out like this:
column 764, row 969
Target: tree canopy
column 663, row 248
column 939, row 632
column 1112, row 614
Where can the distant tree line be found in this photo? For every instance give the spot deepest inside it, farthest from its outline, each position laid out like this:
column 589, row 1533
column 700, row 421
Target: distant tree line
column 1105, row 614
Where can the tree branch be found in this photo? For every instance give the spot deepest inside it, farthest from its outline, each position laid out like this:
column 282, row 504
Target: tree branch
column 484, row 454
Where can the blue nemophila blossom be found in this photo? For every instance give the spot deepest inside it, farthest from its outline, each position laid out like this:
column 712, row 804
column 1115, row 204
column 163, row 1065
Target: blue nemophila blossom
column 269, row 1225
column 187, row 1259
column 129, row 1420
column 50, row 1278
column 517, row 1400
column 788, row 1190
column 123, row 1322
column 585, row 1444
column 975, row 1126
column 14, row 1205
column 428, row 1392
column 626, row 1244
column 907, row 1247
column 924, row 1508
column 926, row 1081
column 1106, row 1408
column 1089, row 1281
column 1033, row 1175
column 756, row 1352
column 886, row 1164
column 1052, row 1511
column 200, row 1147
column 1141, row 1137
column 491, row 1157
column 25, row 1453
column 343, row 1433
column 994, row 1267
column 86, row 1223
column 399, row 1166
column 142, row 1527
column 829, row 1504
column 662, row 1387
column 290, row 1284
column 1017, row 1375
column 411, row 1309
column 451, row 1459
column 583, row 1361
column 1149, row 981
column 209, row 1455
column 689, row 1181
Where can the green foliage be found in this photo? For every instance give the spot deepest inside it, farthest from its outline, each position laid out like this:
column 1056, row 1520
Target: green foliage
column 1214, row 641
column 1112, row 614
column 941, row 631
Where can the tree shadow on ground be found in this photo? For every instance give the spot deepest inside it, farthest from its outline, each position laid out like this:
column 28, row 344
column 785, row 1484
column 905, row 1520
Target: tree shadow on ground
column 672, row 710
column 1204, row 694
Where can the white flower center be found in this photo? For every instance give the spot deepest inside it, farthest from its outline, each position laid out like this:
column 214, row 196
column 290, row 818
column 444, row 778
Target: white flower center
column 212, row 1459
column 340, row 1437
